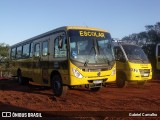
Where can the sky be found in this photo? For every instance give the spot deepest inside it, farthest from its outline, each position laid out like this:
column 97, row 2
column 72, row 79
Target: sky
column 23, row 19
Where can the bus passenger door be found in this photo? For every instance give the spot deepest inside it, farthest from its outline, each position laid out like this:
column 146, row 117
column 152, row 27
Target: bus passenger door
column 158, row 56
column 45, row 61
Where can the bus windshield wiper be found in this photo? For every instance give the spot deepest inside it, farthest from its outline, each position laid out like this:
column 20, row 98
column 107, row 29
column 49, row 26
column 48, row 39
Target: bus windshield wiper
column 104, row 57
column 87, row 61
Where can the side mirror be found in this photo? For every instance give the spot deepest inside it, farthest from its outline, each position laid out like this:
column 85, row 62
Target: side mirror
column 60, row 43
column 109, row 46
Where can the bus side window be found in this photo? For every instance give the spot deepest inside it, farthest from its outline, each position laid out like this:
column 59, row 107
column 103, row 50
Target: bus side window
column 25, row 52
column 45, row 48
column 37, row 50
column 60, row 49
column 13, row 53
column 19, row 52
column 31, row 50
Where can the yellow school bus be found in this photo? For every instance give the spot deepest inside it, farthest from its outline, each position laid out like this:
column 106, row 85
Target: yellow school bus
column 65, row 57
column 132, row 64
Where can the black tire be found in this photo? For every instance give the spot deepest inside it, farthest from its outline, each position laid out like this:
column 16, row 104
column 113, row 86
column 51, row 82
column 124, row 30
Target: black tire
column 96, row 89
column 141, row 82
column 22, row 80
column 58, row 88
column 71, row 87
column 120, row 80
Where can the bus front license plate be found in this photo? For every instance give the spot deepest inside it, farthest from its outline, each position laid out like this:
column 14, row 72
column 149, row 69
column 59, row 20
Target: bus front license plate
column 97, row 81
column 146, row 75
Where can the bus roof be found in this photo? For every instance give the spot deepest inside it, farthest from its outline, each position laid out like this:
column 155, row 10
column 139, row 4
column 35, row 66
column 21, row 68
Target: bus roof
column 84, row 28
column 58, row 29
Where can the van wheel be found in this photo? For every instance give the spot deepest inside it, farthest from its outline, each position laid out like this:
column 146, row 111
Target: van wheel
column 96, row 89
column 57, row 86
column 121, row 81
column 141, row 82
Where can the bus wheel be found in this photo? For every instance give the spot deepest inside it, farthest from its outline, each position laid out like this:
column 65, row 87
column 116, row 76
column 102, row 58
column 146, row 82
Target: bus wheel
column 57, row 86
column 71, row 87
column 95, row 89
column 141, row 82
column 22, row 80
column 120, row 81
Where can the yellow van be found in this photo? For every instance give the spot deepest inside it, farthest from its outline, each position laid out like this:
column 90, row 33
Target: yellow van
column 132, row 64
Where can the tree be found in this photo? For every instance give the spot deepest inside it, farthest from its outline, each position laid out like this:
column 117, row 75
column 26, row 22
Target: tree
column 4, row 58
column 150, row 36
column 153, row 33
column 4, row 52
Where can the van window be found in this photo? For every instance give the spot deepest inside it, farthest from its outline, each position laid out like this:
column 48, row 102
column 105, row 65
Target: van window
column 119, row 53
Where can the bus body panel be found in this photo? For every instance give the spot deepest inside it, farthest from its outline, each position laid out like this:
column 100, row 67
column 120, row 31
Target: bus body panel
column 40, row 68
column 105, row 76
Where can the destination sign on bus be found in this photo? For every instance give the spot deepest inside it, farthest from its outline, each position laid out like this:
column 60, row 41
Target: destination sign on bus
column 91, row 33
column 88, row 33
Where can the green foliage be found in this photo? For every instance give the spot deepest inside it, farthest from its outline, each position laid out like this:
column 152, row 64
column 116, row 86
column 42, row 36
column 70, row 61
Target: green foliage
column 4, row 55
column 150, row 36
column 4, row 50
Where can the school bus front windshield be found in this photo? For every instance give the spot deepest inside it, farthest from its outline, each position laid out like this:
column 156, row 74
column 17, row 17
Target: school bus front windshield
column 91, row 47
column 135, row 54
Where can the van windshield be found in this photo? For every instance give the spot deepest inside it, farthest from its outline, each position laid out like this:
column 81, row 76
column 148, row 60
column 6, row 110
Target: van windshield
column 135, row 54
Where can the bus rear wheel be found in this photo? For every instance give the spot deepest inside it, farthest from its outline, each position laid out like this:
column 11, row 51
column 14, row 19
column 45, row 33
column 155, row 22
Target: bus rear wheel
column 57, row 86
column 22, row 80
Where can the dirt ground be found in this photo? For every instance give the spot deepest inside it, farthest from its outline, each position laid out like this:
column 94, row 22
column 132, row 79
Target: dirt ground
column 14, row 97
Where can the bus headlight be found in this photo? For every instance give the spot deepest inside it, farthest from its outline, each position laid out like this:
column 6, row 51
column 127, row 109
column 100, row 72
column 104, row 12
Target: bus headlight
column 76, row 73
column 113, row 71
column 134, row 70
